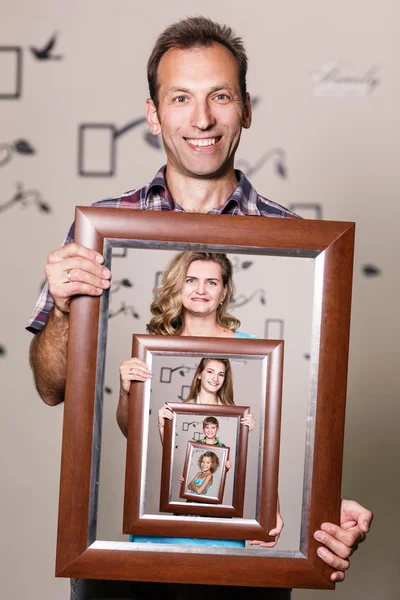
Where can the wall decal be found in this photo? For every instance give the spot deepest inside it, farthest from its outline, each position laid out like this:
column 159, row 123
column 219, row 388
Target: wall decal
column 97, row 146
column 45, row 53
column 335, row 79
column 242, row 300
column 8, row 150
column 370, row 270
column 26, row 198
column 124, row 309
column 274, row 155
column 185, row 389
column 10, row 72
column 119, row 252
column 166, row 372
column 274, row 329
column 307, row 210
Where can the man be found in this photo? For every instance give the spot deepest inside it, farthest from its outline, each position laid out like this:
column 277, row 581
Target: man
column 199, row 104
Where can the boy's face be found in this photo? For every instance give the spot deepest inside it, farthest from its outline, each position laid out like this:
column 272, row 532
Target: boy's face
column 210, row 431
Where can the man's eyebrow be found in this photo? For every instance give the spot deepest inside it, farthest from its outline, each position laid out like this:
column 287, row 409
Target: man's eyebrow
column 174, row 89
column 216, row 88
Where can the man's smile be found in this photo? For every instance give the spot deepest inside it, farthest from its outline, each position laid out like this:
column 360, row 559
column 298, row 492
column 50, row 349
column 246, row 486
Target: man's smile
column 203, row 142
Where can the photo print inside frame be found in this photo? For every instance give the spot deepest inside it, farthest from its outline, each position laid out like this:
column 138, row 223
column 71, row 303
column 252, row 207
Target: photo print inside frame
column 253, row 506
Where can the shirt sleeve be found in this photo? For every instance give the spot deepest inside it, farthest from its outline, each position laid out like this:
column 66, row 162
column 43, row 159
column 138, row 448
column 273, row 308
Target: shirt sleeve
column 45, row 303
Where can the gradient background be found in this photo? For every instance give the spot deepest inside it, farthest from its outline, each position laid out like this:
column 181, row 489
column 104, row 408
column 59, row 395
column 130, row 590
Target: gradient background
column 332, row 148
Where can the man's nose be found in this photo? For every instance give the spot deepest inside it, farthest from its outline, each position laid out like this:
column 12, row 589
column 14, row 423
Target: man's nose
column 202, row 116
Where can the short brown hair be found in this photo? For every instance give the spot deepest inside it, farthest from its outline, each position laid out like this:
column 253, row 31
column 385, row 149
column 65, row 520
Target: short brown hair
column 196, row 32
column 210, row 421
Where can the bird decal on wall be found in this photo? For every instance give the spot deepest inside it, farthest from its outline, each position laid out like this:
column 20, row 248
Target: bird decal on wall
column 45, row 53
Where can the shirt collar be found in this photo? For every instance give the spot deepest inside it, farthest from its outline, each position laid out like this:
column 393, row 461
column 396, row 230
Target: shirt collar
column 242, row 201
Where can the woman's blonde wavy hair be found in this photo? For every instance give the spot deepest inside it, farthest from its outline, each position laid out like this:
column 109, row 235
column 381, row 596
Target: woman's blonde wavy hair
column 225, row 393
column 167, row 308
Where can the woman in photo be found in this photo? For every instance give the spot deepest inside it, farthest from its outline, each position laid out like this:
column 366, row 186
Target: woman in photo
column 192, row 300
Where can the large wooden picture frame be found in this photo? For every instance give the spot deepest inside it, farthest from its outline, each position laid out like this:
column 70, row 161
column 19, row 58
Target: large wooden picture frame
column 331, row 244
column 136, row 521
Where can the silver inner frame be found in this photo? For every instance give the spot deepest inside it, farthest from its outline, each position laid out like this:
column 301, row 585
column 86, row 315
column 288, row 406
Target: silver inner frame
column 109, row 244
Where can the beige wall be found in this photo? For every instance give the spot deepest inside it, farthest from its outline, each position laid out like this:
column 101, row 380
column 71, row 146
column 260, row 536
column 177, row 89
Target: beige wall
column 340, row 149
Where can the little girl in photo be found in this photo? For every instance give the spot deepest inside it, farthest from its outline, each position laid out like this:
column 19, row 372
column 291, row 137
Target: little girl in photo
column 208, row 463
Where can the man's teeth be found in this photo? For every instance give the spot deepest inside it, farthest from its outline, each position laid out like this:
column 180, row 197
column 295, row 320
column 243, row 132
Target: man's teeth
column 208, row 142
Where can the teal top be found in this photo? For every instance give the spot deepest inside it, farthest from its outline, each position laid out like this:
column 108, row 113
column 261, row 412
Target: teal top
column 199, row 481
column 239, row 334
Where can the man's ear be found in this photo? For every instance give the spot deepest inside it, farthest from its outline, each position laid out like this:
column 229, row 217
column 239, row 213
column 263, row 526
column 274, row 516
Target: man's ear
column 152, row 117
column 247, row 113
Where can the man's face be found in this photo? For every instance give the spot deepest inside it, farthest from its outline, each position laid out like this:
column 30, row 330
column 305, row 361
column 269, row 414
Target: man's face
column 201, row 113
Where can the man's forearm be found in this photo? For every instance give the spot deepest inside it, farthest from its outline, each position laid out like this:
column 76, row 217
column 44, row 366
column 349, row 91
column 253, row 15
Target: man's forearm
column 48, row 358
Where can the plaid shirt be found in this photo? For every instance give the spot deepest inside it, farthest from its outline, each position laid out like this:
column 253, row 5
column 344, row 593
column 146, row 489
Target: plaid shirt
column 244, row 200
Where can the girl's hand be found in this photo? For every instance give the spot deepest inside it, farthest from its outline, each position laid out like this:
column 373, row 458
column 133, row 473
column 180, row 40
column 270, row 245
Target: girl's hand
column 130, row 370
column 275, row 532
column 164, row 413
column 249, row 421
column 181, row 479
column 228, row 464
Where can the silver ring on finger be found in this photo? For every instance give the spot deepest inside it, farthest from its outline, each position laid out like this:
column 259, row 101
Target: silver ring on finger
column 68, row 276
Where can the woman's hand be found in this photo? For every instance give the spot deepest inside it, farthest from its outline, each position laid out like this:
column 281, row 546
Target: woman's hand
column 228, row 464
column 249, row 421
column 164, row 413
column 130, row 370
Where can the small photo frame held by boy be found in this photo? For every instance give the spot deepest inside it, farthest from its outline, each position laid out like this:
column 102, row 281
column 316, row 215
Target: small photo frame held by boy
column 201, row 464
column 203, row 486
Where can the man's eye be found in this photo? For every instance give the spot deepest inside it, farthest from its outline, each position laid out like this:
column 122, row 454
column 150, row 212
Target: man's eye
column 180, row 99
column 221, row 97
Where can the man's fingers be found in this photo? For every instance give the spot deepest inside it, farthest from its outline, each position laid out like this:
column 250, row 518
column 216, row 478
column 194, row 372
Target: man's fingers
column 350, row 537
column 341, row 543
column 74, row 250
column 334, row 561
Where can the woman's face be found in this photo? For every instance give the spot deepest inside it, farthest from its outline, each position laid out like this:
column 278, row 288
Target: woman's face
column 206, row 463
column 212, row 376
column 203, row 289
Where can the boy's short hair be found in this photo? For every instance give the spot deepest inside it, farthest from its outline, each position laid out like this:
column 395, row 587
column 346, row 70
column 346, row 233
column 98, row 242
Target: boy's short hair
column 211, row 421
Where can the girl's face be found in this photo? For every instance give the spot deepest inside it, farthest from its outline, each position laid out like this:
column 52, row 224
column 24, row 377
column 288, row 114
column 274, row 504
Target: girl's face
column 203, row 289
column 212, row 376
column 206, row 463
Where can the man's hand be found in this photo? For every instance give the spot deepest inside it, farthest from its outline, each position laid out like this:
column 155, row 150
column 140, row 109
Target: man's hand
column 75, row 270
column 341, row 541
